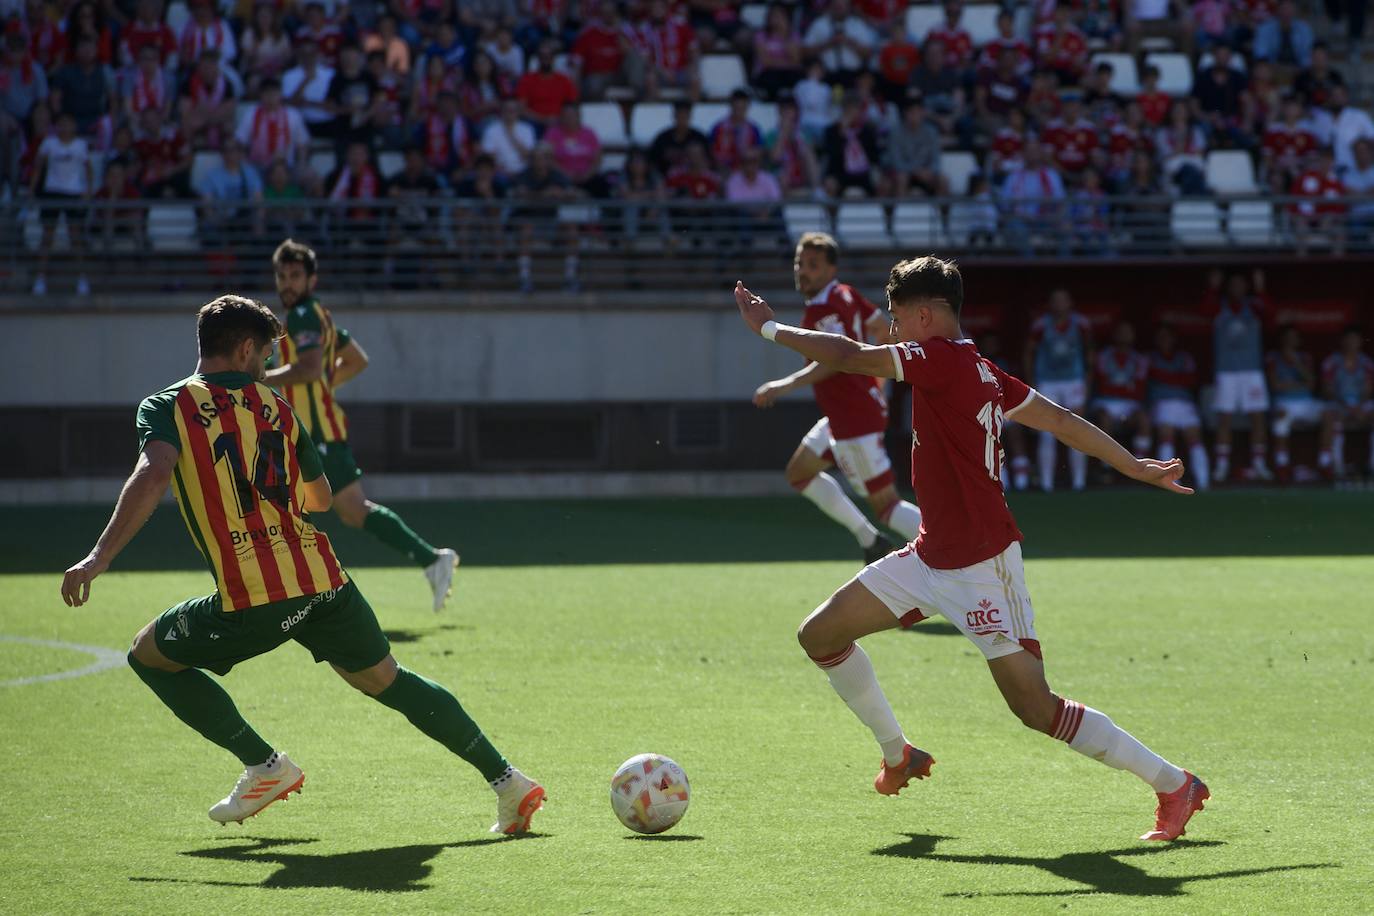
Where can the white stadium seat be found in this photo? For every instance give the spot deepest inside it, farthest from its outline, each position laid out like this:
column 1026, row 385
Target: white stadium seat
column 765, row 115
column 705, row 115
column 957, row 167
column 648, row 120
column 1125, row 80
column 802, row 218
column 754, row 15
column 607, row 121
column 1196, row 222
column 980, row 21
column 1175, row 73
column 921, row 18
column 916, row 226
column 391, row 164
column 172, row 227
column 862, row 225
column 722, row 74
column 1231, row 171
column 1251, row 222
column 205, row 162
column 321, row 163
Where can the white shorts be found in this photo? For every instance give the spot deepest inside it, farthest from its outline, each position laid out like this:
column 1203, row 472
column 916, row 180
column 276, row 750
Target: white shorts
column 1119, row 409
column 1305, row 412
column 987, row 601
column 1241, row 392
column 1072, row 395
column 1176, row 413
column 863, row 459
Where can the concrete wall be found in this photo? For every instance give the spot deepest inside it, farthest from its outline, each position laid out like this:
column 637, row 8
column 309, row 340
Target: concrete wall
column 113, row 359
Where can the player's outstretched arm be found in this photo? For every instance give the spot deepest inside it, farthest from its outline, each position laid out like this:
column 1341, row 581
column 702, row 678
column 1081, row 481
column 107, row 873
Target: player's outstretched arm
column 833, row 351
column 140, row 496
column 1075, row 432
column 769, row 392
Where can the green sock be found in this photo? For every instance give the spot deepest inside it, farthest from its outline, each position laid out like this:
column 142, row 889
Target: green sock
column 202, row 704
column 387, row 527
column 437, row 713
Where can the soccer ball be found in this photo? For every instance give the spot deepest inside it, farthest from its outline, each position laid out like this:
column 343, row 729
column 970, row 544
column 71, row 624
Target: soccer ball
column 649, row 793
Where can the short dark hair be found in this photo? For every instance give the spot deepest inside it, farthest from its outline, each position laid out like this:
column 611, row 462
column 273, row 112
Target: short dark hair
column 926, row 278
column 223, row 324
column 294, row 252
column 822, row 242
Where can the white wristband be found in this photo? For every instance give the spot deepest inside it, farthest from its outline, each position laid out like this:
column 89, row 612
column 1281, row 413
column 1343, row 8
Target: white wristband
column 769, row 330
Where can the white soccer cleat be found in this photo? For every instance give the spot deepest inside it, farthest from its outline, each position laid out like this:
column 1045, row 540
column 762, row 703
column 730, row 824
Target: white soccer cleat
column 440, row 576
column 257, row 788
column 516, row 803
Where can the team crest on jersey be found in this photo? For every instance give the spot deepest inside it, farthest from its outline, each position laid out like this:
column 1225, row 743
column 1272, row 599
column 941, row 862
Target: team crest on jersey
column 831, row 324
column 305, row 339
column 986, row 620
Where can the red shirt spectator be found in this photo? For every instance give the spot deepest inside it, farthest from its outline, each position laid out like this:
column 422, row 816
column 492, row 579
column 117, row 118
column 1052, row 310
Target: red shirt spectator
column 958, row 44
column 47, row 44
column 897, row 60
column 599, row 48
column 1005, row 149
column 1073, row 139
column 1154, row 106
column 672, row 44
column 1319, row 182
column 161, row 153
column 992, row 52
column 148, row 29
column 1061, row 46
column 880, row 13
column 543, row 93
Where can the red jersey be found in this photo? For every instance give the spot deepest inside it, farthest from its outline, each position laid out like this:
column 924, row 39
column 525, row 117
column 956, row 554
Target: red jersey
column 1007, row 144
column 1155, row 106
column 897, row 61
column 1317, row 185
column 1288, row 146
column 1121, row 374
column 693, row 185
column 1123, row 142
column 958, row 44
column 958, row 403
column 1073, row 143
column 854, row 404
column 598, row 47
column 671, row 44
column 987, row 60
column 1070, row 53
column 545, row 93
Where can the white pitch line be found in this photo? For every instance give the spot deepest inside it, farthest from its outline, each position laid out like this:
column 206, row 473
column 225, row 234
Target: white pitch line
column 105, row 659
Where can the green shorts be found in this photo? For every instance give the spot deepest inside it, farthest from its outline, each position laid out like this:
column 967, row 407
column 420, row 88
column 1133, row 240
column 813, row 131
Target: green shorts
column 336, row 626
column 339, row 467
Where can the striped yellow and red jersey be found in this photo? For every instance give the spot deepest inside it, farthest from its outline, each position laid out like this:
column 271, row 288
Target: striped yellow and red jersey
column 310, row 326
column 244, row 459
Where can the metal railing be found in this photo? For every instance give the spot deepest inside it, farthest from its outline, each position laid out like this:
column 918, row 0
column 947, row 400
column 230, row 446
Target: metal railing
column 452, row 244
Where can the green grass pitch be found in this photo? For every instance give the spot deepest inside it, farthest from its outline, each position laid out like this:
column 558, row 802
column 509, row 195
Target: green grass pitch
column 1231, row 632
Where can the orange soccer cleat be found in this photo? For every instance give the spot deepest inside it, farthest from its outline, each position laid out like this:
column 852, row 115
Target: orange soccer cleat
column 1175, row 808
column 892, row 780
column 257, row 788
column 516, row 803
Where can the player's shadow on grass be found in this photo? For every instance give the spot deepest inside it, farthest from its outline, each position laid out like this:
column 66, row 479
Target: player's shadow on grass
column 391, row 869
column 1102, row 871
column 415, row 635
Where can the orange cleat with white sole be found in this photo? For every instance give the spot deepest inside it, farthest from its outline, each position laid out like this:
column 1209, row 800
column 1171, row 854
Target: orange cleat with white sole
column 257, row 788
column 516, row 803
column 1175, row 808
column 915, row 763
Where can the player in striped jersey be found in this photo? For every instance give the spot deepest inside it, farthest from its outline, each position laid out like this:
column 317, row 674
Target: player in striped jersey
column 317, row 357
column 247, row 476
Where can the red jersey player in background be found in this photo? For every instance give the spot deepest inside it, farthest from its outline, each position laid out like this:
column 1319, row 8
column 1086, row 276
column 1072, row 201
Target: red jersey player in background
column 966, row 565
column 850, row 432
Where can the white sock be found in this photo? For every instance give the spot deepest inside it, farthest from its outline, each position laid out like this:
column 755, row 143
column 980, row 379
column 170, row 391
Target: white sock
column 1078, row 465
column 1198, row 456
column 499, row 784
column 1142, row 445
column 905, row 519
column 1166, row 450
column 851, row 675
column 1094, row 735
column 830, row 498
column 267, row 765
column 1046, row 453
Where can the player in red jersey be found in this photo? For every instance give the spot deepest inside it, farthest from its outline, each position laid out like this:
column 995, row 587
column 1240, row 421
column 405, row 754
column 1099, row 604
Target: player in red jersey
column 850, row 433
column 966, row 565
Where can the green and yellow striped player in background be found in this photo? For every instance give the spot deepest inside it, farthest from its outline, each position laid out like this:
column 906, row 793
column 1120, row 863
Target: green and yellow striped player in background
column 315, row 358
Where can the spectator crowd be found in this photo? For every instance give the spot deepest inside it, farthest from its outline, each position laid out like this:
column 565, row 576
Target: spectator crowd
column 481, row 99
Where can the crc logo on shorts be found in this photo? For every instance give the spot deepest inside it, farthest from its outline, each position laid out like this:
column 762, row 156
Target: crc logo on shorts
column 985, row 621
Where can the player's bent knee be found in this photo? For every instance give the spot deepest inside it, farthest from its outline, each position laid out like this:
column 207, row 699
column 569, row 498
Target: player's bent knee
column 374, row 680
column 1035, row 712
